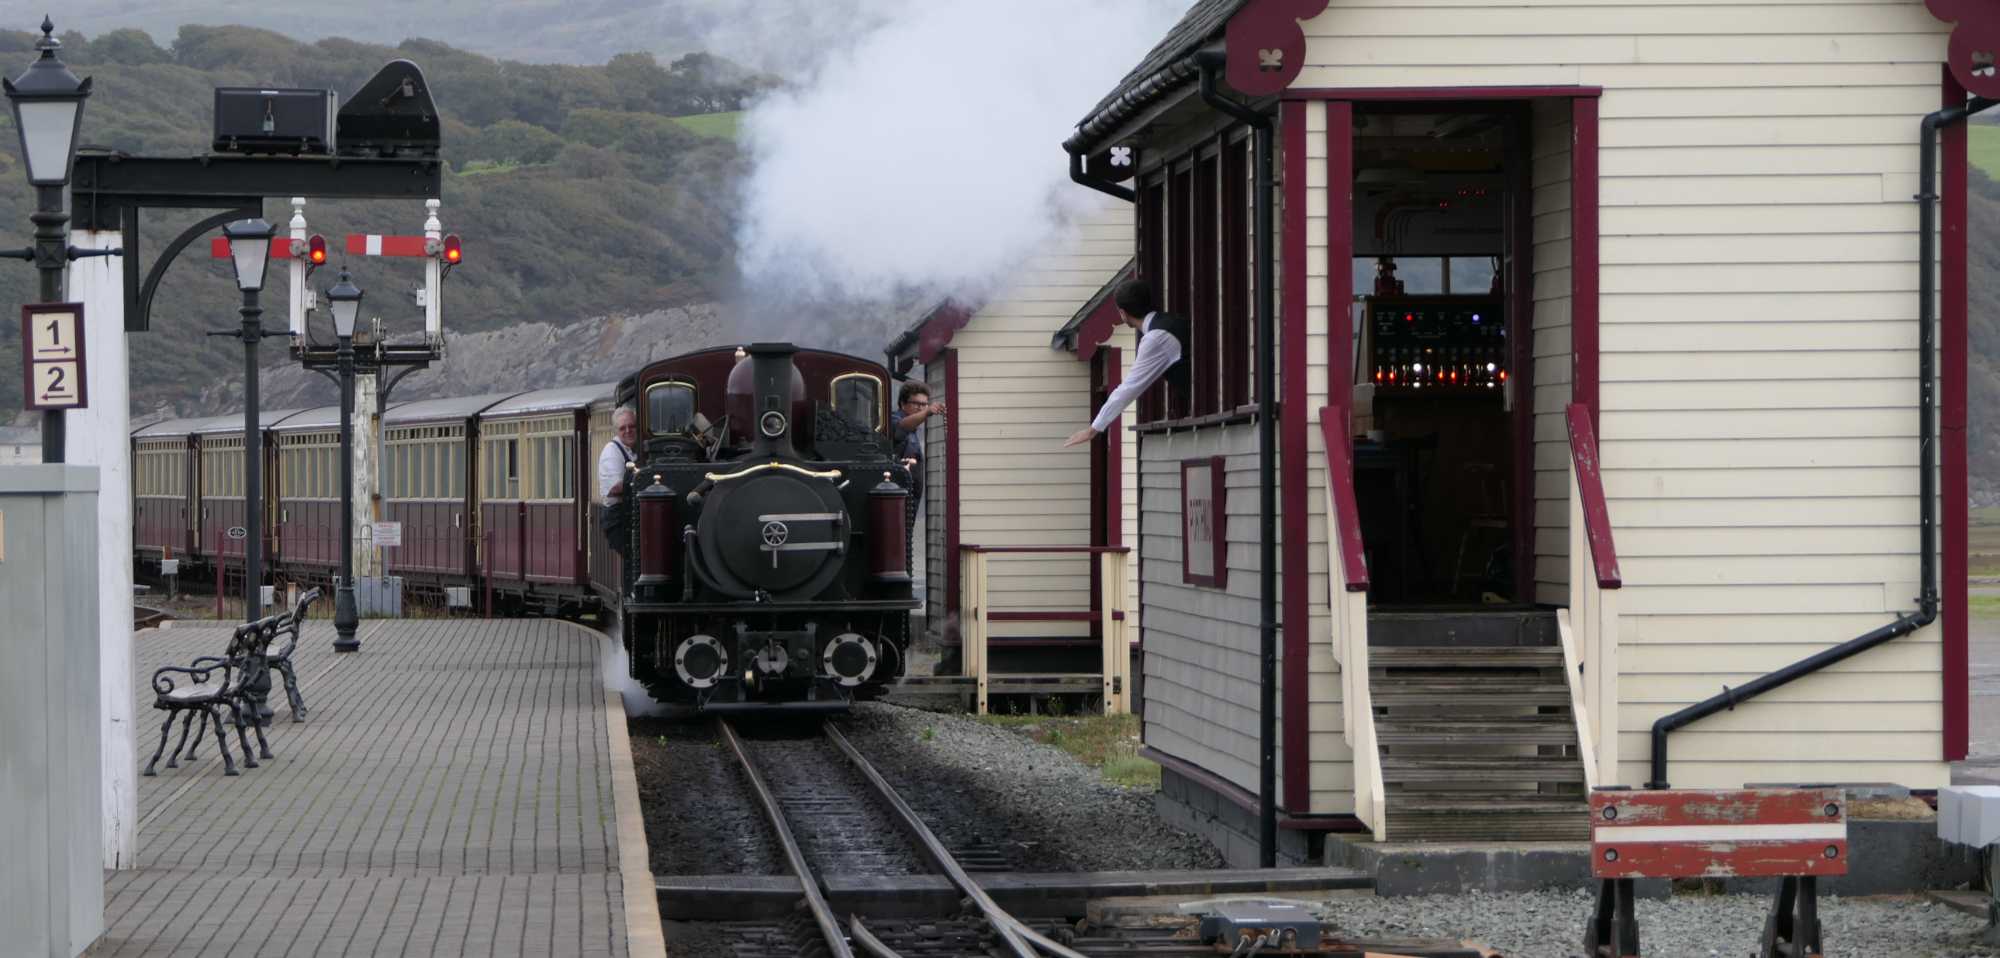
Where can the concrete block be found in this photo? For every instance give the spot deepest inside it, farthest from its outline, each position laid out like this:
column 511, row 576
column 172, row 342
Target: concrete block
column 1969, row 815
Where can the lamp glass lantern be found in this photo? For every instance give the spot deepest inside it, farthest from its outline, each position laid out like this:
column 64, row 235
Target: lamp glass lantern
column 250, row 248
column 47, row 102
column 344, row 300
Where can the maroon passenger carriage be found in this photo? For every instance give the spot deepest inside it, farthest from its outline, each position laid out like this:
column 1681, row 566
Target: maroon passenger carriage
column 768, row 531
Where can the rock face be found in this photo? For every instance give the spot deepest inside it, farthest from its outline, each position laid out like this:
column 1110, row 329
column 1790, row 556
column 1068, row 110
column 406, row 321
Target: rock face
column 523, row 356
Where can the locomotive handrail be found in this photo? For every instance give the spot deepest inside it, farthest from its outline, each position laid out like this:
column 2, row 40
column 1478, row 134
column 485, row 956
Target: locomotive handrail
column 801, row 470
column 1050, row 550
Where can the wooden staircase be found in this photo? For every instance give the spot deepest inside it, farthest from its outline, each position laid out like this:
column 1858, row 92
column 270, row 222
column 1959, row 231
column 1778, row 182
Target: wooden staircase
column 1474, row 727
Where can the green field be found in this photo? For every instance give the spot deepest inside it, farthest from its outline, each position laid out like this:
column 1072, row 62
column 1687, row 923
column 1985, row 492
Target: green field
column 723, row 126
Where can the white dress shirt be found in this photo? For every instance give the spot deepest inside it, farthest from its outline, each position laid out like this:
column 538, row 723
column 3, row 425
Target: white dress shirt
column 1158, row 350
column 611, row 470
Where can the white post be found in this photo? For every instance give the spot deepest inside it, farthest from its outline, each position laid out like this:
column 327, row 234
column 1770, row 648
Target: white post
column 101, row 436
column 433, row 275
column 296, row 272
column 366, row 554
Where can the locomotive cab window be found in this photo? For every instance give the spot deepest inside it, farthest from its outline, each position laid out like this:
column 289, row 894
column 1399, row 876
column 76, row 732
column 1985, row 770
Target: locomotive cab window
column 670, row 409
column 858, row 398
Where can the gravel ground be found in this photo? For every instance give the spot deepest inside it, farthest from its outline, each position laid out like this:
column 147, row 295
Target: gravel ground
column 990, row 785
column 1550, row 924
column 682, row 767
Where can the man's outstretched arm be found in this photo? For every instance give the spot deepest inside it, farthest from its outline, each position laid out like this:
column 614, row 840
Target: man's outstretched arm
column 1157, row 351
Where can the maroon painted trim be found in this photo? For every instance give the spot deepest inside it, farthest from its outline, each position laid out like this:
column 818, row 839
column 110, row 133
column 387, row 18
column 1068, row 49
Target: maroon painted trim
column 939, row 327
column 1590, row 489
column 1114, row 455
column 1218, row 490
column 1205, row 380
column 1583, row 255
column 951, row 539
column 1236, row 319
column 1367, row 94
column 1294, row 595
column 1954, row 348
column 28, row 314
column 1045, row 550
column 1340, row 478
column 1235, row 794
column 1521, row 362
column 1345, row 824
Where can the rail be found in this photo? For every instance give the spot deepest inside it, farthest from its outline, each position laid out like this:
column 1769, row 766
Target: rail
column 795, row 857
column 976, row 617
column 1589, row 626
column 1347, row 569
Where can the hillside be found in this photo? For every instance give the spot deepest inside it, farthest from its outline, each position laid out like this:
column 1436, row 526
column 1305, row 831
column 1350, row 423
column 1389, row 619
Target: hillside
column 580, row 191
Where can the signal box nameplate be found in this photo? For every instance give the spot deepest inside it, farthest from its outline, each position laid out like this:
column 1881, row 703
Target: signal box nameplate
column 52, row 356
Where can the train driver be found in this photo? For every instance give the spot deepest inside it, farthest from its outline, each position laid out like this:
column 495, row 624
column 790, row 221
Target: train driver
column 611, row 472
column 1163, row 342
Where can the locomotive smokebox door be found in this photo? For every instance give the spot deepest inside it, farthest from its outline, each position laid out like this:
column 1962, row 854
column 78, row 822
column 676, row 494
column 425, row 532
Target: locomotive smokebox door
column 776, row 532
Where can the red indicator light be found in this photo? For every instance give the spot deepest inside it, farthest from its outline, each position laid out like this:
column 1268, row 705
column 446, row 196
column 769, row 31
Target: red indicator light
column 1503, row 375
column 316, row 250
column 1409, row 317
column 452, row 251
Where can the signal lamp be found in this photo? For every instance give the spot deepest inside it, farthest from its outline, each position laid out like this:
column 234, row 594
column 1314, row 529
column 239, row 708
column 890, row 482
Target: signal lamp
column 316, row 250
column 453, row 252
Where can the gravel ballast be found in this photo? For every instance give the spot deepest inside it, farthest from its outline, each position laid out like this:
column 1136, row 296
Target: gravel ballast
column 1549, row 924
column 1048, row 811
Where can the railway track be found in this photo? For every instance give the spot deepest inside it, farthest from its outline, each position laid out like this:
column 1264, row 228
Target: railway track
column 855, row 821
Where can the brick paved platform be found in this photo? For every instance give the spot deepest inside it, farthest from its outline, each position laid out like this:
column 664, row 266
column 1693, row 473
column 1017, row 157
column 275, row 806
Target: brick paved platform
column 452, row 792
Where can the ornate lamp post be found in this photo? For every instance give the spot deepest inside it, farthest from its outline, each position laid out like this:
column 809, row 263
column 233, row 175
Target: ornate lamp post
column 250, row 250
column 47, row 101
column 344, row 299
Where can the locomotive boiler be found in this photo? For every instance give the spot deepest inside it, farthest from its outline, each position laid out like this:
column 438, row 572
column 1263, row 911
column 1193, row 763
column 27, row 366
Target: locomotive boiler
column 767, row 565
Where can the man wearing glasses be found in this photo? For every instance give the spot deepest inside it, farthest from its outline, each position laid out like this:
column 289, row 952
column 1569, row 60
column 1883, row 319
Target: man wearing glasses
column 914, row 408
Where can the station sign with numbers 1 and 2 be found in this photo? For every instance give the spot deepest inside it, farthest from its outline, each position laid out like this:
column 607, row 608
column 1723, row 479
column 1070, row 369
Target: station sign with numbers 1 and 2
column 53, row 358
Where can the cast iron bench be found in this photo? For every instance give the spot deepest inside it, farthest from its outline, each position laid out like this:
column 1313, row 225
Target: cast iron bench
column 238, row 681
column 1792, row 834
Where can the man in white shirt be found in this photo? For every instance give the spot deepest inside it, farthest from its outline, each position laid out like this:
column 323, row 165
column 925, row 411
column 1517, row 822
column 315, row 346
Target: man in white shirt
column 611, row 462
column 1162, row 348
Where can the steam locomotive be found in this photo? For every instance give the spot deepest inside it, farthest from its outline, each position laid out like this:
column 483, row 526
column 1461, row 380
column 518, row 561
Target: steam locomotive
column 768, row 554
column 766, row 561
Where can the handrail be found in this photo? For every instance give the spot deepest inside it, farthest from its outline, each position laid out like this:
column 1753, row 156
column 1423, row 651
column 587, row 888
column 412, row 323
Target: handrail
column 1579, row 708
column 1107, row 610
column 1048, row 550
column 1345, row 516
column 1348, row 601
column 1590, row 489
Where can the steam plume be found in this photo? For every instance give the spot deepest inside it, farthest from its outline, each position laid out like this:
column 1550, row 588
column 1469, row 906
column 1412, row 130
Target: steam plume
column 921, row 149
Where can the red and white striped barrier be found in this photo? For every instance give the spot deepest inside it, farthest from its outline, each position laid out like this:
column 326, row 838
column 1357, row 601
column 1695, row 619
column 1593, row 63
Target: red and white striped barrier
column 1747, row 833
column 1795, row 835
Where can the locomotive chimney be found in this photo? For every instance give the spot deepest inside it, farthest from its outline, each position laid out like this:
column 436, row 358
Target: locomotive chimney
column 765, row 390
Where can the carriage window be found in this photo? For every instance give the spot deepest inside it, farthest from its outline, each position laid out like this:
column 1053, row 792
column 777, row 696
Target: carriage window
column 670, row 408
column 858, row 397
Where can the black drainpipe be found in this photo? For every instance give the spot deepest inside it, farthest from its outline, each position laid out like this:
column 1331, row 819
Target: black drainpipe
column 1211, row 62
column 1927, row 600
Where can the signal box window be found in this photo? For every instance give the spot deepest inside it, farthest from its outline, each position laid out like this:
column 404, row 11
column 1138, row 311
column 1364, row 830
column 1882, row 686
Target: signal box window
column 670, row 408
column 858, row 398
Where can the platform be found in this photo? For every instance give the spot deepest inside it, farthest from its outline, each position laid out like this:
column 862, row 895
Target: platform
column 456, row 789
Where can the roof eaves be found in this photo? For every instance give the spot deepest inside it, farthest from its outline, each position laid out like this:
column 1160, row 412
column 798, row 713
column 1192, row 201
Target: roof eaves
column 1064, row 339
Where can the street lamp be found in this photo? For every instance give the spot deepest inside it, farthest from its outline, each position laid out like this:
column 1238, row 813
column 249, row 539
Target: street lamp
column 47, row 101
column 344, row 299
column 250, row 251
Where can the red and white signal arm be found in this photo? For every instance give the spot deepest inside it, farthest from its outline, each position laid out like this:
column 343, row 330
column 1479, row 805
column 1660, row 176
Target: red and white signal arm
column 52, row 356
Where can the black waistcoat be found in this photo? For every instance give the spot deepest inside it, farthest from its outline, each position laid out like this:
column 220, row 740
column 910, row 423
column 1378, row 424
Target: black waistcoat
column 1176, row 326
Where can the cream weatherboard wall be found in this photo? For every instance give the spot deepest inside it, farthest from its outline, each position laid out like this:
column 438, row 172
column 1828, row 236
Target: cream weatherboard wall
column 1550, row 145
column 1018, row 399
column 1758, row 250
